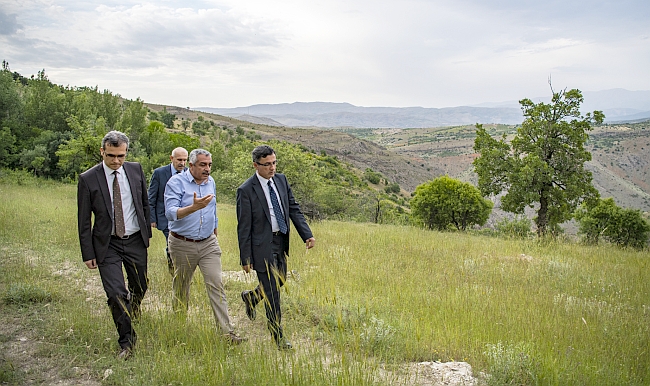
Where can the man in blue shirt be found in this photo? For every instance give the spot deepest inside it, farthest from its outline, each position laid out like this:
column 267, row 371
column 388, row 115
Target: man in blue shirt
column 157, row 185
column 191, row 208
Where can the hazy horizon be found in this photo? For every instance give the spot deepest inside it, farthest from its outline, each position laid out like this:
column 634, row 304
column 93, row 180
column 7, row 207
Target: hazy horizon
column 429, row 53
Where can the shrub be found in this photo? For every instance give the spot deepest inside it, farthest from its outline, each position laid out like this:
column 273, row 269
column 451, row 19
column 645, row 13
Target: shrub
column 519, row 228
column 372, row 176
column 445, row 201
column 392, row 188
column 623, row 227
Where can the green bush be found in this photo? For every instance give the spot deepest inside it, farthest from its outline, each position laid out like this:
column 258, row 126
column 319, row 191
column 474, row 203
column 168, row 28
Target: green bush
column 606, row 220
column 372, row 176
column 392, row 188
column 519, row 228
column 445, row 202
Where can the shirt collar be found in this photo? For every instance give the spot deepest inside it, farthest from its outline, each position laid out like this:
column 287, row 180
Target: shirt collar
column 263, row 180
column 110, row 171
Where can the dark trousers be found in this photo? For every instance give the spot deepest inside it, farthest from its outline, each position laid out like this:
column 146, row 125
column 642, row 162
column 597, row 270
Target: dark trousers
column 269, row 288
column 170, row 262
column 125, row 303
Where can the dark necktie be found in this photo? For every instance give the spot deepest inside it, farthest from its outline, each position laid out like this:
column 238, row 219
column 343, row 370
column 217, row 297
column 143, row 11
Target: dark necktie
column 117, row 207
column 276, row 209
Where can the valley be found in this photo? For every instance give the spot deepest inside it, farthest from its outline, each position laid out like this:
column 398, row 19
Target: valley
column 620, row 152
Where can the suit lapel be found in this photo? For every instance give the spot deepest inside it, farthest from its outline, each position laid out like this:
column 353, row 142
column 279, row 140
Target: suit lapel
column 134, row 181
column 103, row 187
column 168, row 173
column 260, row 196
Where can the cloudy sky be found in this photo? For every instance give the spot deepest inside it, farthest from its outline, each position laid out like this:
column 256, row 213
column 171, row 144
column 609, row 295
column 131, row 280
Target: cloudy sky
column 429, row 53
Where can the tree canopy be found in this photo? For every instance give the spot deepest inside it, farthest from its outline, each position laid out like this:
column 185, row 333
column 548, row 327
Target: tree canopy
column 543, row 165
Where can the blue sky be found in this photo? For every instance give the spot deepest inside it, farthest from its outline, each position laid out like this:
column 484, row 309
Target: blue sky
column 369, row 53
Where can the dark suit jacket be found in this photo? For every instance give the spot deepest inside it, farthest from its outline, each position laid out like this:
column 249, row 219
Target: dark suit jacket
column 157, row 195
column 254, row 221
column 93, row 198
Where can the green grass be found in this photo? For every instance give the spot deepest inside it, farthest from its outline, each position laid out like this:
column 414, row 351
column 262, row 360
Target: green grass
column 367, row 297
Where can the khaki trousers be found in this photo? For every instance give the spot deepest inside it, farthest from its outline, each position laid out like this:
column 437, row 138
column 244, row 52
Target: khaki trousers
column 207, row 255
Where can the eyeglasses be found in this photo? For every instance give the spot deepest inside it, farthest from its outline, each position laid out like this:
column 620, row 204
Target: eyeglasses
column 118, row 156
column 267, row 164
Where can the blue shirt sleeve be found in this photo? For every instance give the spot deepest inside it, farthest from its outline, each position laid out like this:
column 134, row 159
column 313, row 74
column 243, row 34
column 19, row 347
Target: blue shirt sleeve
column 173, row 197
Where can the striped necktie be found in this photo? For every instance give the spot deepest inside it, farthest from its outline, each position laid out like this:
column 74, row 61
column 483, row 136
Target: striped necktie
column 117, row 207
column 276, row 209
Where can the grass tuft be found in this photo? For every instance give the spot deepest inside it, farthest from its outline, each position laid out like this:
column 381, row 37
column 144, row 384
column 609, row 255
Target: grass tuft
column 21, row 294
column 510, row 365
column 8, row 373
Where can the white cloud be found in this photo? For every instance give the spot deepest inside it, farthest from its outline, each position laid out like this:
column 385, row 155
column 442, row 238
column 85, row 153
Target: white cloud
column 433, row 53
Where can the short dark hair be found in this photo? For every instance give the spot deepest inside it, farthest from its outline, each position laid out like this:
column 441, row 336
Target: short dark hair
column 261, row 152
column 115, row 138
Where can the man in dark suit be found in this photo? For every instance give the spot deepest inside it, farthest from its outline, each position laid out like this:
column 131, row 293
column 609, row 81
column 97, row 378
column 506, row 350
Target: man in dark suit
column 265, row 204
column 157, row 195
column 115, row 192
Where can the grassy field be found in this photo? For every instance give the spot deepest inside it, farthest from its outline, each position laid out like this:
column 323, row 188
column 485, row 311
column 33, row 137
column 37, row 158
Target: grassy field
column 361, row 307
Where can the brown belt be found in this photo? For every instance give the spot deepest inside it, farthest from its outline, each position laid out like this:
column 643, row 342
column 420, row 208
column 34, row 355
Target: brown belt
column 185, row 238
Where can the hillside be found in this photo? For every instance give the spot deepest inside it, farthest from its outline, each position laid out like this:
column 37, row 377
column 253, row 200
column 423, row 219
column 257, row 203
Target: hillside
column 429, row 298
column 620, row 155
column 412, row 156
column 359, row 152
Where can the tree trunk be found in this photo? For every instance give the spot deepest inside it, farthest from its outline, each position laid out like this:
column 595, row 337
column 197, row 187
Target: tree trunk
column 542, row 214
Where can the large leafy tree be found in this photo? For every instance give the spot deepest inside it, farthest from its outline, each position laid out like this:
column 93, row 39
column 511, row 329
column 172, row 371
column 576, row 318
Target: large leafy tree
column 46, row 105
column 543, row 165
column 445, row 201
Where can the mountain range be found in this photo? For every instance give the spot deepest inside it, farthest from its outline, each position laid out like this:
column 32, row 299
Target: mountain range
column 619, row 105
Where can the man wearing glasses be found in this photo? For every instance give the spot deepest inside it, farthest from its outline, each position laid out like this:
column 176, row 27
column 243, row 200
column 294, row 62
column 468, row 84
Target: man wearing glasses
column 115, row 193
column 265, row 204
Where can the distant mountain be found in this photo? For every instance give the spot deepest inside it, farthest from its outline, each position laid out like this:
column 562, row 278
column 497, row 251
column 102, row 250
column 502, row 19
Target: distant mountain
column 619, row 105
column 331, row 115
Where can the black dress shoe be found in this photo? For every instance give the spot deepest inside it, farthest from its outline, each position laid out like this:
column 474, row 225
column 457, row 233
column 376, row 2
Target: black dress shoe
column 246, row 296
column 124, row 354
column 284, row 344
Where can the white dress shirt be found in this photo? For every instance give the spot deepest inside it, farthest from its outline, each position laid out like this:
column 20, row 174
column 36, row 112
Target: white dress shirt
column 130, row 218
column 264, row 182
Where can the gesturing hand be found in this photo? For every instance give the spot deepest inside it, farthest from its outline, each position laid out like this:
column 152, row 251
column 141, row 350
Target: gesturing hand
column 202, row 202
